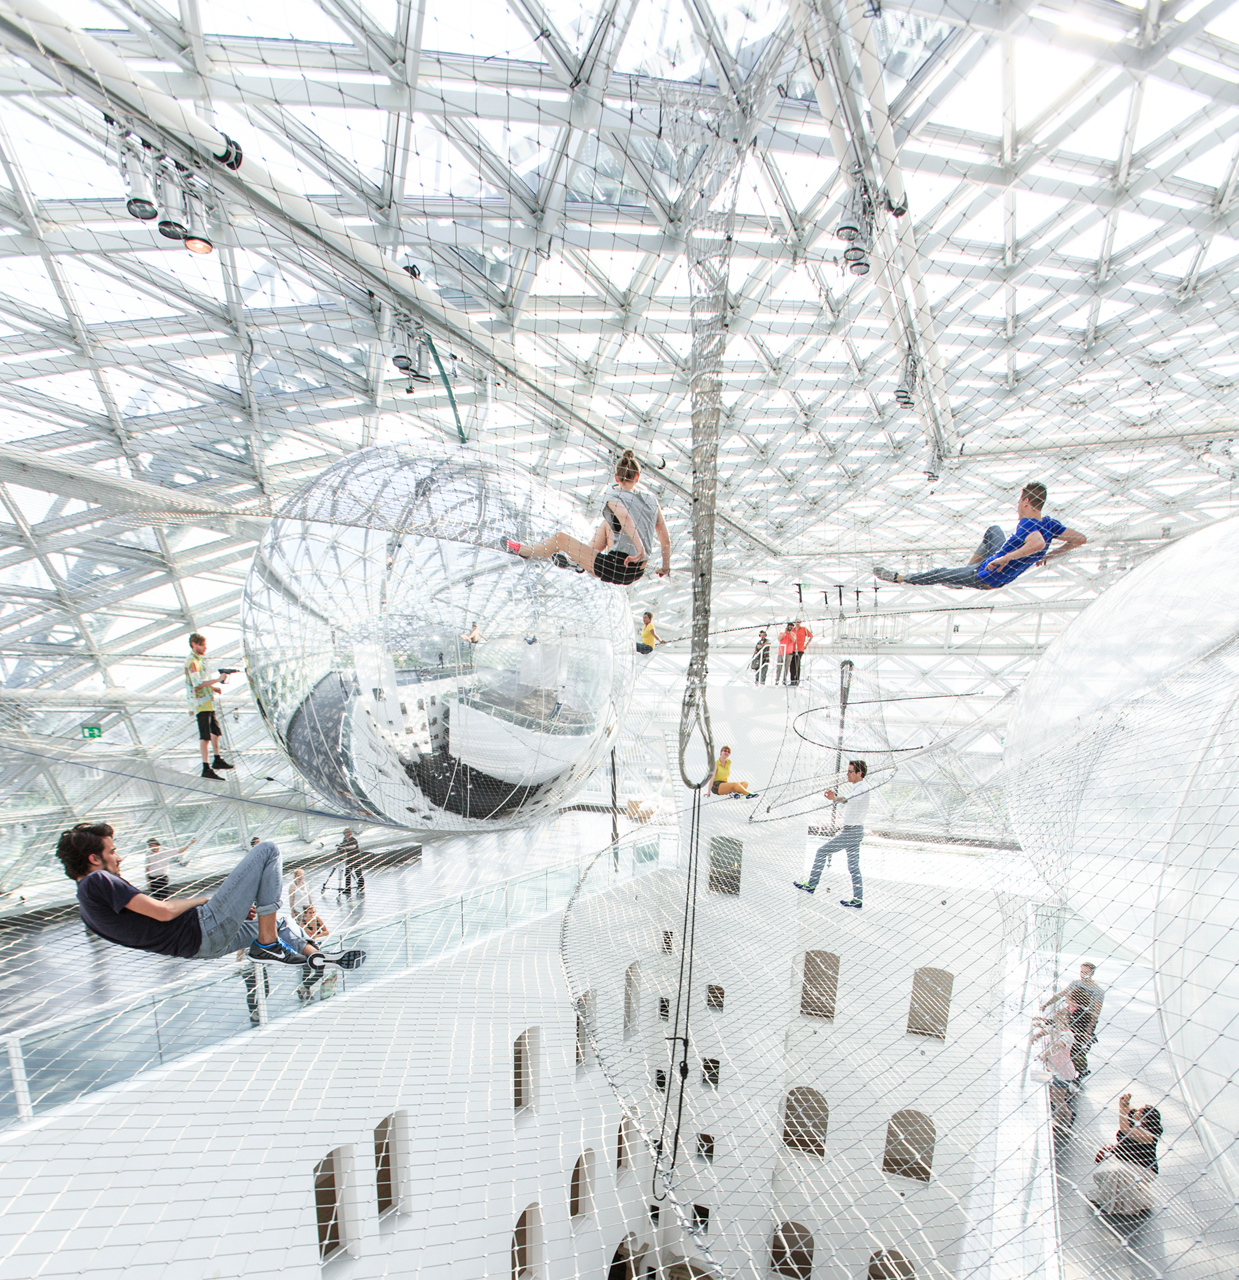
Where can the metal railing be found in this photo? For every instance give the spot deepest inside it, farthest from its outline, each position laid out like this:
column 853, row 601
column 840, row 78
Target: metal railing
column 57, row 1062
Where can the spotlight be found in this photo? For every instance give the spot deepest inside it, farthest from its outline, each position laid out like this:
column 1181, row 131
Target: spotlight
column 856, row 218
column 905, row 391
column 172, row 199
column 141, row 203
column 195, row 239
column 860, row 267
column 402, row 362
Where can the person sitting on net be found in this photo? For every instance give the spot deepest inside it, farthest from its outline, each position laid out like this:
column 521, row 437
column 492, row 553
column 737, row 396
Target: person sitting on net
column 996, row 563
column 1126, row 1170
column 649, row 637
column 721, row 786
column 302, row 907
column 474, row 636
column 201, row 928
column 620, row 550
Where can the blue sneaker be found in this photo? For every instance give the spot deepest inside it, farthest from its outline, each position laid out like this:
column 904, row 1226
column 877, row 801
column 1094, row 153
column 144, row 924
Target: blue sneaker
column 851, row 902
column 276, row 952
column 808, row 888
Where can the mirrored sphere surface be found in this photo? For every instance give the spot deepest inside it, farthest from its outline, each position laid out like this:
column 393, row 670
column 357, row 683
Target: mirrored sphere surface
column 356, row 620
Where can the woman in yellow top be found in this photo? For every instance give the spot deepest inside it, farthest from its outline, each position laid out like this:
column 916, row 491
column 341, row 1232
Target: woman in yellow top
column 649, row 637
column 722, row 772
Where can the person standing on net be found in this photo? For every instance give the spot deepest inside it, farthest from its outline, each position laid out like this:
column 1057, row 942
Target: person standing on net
column 632, row 521
column 202, row 928
column 159, row 865
column 996, row 563
column 761, row 659
column 851, row 832
column 787, row 644
column 201, row 693
column 801, row 635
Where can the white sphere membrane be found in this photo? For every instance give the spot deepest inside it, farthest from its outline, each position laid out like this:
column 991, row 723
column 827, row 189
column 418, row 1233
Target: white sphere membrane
column 353, row 618
column 1123, row 773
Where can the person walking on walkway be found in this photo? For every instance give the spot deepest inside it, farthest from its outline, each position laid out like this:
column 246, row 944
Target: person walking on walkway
column 801, row 635
column 350, row 851
column 761, row 659
column 159, row 865
column 787, row 644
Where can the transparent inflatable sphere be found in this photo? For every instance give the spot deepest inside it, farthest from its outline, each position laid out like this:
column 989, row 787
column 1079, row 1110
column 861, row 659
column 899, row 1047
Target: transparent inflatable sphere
column 415, row 672
column 1122, row 761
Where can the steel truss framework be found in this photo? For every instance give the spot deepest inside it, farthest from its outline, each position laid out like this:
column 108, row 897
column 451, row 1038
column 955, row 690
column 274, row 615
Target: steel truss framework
column 1063, row 273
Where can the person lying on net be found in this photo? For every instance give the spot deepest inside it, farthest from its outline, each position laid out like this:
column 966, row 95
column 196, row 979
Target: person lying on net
column 996, row 563
column 202, row 928
column 631, row 522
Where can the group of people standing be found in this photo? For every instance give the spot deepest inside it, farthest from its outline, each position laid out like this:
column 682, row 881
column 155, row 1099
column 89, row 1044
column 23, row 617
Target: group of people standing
column 1124, row 1170
column 793, row 642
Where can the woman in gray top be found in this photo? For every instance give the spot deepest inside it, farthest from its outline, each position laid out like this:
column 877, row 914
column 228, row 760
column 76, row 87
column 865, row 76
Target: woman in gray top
column 620, row 550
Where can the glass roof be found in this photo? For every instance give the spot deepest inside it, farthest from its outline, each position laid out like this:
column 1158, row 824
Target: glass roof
column 1064, row 273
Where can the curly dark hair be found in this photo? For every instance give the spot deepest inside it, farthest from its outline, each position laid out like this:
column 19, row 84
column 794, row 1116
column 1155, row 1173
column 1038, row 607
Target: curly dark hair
column 77, row 844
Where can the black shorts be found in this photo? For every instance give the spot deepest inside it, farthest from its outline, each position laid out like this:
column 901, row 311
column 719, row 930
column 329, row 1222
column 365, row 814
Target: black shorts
column 208, row 726
column 714, row 786
column 610, row 567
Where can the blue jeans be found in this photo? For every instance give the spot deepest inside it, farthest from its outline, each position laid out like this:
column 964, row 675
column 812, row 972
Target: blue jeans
column 965, row 575
column 254, row 882
column 848, row 838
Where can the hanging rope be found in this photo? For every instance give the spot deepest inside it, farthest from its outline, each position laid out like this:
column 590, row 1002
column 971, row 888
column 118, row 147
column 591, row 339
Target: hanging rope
column 708, row 210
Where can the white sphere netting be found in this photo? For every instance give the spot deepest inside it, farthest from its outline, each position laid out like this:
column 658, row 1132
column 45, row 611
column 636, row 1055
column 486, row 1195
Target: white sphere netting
column 1123, row 767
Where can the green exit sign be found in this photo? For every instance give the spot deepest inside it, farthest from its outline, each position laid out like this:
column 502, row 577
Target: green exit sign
column 92, row 731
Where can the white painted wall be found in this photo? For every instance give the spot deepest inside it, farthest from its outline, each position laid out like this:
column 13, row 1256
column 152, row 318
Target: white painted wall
column 205, row 1168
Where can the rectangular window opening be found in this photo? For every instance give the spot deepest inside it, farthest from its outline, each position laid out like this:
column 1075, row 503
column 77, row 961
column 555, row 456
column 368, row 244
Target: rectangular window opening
column 384, row 1163
column 820, row 985
column 714, row 997
column 709, row 1072
column 664, row 1007
column 701, row 1217
column 668, row 942
column 726, row 854
column 705, row 1146
column 327, row 1190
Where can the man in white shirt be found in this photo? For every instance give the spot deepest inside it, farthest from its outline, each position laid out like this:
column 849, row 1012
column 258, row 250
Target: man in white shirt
column 851, row 832
column 159, row 866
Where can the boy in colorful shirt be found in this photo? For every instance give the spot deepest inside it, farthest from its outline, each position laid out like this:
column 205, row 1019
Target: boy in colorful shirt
column 201, row 694
column 996, row 563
